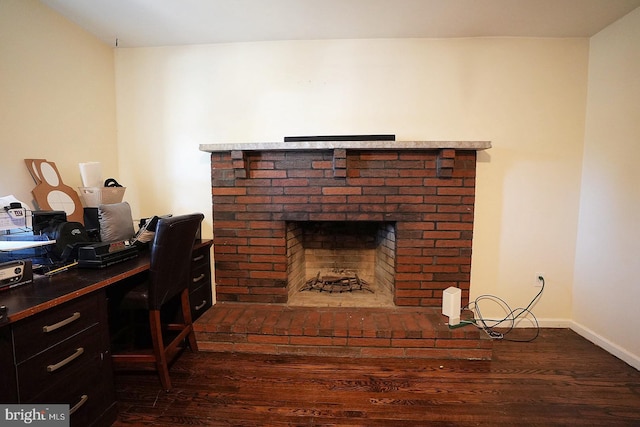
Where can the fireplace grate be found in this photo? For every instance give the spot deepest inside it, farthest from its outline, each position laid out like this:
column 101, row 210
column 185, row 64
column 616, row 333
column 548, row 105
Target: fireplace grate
column 337, row 284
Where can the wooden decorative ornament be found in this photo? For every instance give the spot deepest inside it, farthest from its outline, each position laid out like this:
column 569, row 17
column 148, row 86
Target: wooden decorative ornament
column 51, row 193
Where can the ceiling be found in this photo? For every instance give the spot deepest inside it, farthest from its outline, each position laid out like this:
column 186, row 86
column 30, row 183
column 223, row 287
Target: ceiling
column 138, row 23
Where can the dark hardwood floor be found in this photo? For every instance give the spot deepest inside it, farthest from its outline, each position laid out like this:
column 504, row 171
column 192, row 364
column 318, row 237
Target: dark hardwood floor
column 559, row 379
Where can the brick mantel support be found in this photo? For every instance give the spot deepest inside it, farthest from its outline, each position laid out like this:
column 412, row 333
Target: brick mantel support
column 446, row 162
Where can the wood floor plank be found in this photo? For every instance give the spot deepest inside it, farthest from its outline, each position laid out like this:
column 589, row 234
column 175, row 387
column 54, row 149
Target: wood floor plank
column 559, row 379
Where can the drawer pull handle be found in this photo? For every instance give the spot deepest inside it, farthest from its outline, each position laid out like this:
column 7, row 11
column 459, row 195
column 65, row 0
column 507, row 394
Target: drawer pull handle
column 63, row 362
column 78, row 405
column 198, row 258
column 197, row 279
column 199, row 307
column 50, row 328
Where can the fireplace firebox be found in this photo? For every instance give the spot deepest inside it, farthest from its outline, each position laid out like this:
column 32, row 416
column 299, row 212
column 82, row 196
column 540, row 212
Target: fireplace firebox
column 337, row 263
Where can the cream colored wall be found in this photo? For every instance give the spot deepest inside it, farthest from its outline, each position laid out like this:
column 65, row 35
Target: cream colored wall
column 607, row 269
column 525, row 95
column 57, row 97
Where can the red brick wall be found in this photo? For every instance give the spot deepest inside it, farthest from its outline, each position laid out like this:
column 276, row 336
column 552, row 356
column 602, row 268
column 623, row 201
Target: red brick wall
column 429, row 194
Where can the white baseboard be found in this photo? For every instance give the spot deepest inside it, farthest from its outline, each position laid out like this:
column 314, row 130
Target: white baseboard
column 526, row 322
column 616, row 350
column 554, row 323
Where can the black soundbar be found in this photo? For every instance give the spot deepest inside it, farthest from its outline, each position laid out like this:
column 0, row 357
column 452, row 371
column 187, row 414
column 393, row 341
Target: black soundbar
column 340, row 138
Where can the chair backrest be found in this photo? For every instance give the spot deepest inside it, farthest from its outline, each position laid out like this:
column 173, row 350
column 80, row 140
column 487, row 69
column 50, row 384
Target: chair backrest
column 171, row 257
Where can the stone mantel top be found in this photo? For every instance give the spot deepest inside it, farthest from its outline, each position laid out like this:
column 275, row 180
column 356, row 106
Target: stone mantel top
column 353, row 145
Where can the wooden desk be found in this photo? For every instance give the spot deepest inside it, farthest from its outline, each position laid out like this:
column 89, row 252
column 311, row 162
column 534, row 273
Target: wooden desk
column 51, row 291
column 55, row 346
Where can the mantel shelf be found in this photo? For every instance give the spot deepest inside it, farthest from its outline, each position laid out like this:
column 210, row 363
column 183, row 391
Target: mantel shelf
column 354, row 145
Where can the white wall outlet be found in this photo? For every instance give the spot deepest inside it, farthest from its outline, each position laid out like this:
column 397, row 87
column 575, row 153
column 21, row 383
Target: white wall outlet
column 536, row 279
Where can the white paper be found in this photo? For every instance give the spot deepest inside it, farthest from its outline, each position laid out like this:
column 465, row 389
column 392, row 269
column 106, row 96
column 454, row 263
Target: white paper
column 91, row 173
column 15, row 245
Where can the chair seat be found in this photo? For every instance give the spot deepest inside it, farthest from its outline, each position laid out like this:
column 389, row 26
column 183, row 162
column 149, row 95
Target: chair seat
column 137, row 298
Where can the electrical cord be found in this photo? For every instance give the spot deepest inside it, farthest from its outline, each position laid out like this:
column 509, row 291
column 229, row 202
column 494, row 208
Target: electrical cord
column 489, row 325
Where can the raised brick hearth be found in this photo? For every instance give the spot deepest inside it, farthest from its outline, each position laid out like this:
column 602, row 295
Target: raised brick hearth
column 338, row 331
column 421, row 196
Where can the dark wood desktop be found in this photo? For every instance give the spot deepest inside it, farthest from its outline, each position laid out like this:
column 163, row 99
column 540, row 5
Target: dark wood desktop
column 55, row 346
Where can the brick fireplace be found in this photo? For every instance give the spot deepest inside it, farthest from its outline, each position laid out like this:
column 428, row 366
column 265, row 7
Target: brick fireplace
column 397, row 216
column 421, row 193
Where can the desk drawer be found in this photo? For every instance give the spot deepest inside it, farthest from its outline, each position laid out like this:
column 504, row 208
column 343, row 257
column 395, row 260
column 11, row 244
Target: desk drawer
column 200, row 275
column 201, row 256
column 59, row 366
column 88, row 398
column 37, row 333
column 200, row 300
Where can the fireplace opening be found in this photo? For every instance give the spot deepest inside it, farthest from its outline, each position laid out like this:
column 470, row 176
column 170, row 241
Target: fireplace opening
column 341, row 263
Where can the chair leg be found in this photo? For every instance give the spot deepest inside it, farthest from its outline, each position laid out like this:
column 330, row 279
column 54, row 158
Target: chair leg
column 186, row 315
column 158, row 349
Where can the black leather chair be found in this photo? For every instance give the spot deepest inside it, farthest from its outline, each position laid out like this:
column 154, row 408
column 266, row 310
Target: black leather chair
column 169, row 275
